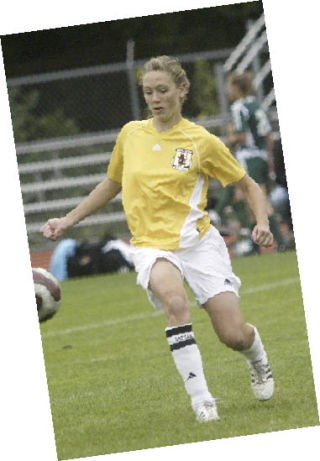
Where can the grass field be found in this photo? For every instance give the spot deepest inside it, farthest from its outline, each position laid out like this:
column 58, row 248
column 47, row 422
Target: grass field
column 113, row 384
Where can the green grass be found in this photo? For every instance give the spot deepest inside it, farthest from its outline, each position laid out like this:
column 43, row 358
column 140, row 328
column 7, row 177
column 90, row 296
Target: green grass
column 113, row 385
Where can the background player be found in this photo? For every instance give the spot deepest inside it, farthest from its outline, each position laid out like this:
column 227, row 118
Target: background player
column 249, row 137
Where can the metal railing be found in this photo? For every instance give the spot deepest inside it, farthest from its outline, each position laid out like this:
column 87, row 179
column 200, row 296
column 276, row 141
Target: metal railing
column 244, row 45
column 247, row 54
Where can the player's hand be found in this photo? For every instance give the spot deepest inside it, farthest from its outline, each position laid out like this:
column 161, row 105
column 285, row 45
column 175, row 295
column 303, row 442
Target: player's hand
column 261, row 235
column 56, row 227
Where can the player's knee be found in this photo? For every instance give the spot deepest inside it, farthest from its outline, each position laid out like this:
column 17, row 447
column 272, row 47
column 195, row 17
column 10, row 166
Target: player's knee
column 235, row 339
column 177, row 308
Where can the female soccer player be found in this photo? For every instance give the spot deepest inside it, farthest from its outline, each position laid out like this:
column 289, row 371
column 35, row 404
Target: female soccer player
column 162, row 166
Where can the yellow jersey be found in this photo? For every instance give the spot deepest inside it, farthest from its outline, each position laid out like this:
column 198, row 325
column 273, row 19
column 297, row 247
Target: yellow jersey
column 164, row 178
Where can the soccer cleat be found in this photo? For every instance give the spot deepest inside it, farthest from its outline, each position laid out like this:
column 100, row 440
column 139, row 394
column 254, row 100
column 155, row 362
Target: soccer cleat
column 207, row 411
column 262, row 382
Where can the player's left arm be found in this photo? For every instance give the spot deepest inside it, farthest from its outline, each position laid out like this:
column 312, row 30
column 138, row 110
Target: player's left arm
column 270, row 145
column 261, row 233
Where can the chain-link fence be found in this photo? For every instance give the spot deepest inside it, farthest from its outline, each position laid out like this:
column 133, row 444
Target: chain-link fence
column 101, row 98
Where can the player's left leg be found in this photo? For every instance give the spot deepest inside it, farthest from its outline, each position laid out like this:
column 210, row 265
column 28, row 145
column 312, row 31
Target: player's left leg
column 234, row 332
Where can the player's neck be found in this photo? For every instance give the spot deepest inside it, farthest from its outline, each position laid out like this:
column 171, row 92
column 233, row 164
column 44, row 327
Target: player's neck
column 165, row 125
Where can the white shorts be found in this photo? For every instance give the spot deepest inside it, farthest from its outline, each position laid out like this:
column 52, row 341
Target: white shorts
column 206, row 267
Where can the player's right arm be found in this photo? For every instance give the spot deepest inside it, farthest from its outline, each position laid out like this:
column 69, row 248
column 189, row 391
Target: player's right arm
column 98, row 197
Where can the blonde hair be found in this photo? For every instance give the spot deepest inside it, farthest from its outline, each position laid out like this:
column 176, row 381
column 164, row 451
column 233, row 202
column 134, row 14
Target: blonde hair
column 242, row 81
column 170, row 65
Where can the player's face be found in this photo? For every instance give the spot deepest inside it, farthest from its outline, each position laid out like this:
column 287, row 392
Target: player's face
column 163, row 98
column 233, row 91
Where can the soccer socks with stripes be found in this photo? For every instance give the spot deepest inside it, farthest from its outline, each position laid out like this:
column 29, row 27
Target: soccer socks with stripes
column 256, row 351
column 187, row 358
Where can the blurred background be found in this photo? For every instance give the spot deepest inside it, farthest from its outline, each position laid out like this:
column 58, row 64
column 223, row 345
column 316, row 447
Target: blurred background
column 71, row 89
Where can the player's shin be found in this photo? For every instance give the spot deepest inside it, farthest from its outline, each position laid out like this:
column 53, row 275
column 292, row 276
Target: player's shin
column 187, row 358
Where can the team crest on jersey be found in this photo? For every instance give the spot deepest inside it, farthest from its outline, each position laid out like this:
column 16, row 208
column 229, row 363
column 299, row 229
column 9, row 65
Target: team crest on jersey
column 182, row 160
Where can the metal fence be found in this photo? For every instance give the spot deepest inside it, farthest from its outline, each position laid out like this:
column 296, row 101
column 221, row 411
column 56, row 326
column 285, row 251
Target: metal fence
column 65, row 124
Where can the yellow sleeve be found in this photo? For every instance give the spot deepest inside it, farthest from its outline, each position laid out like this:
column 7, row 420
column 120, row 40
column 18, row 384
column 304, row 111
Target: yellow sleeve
column 115, row 166
column 219, row 163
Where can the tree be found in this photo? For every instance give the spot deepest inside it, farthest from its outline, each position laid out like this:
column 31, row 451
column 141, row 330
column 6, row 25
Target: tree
column 30, row 124
column 204, row 90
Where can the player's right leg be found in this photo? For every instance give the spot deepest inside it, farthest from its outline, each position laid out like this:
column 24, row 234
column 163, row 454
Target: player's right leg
column 166, row 284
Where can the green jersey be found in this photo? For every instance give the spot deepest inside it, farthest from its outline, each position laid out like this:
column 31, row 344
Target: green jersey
column 249, row 117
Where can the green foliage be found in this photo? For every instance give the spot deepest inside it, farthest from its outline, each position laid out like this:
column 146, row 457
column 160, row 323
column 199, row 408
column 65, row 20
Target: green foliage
column 30, row 124
column 113, row 385
column 204, row 90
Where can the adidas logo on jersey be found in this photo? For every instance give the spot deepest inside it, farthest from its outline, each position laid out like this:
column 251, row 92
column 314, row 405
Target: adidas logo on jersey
column 156, row 147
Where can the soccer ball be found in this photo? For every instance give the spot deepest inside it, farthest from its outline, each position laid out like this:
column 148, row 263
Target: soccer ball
column 48, row 293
